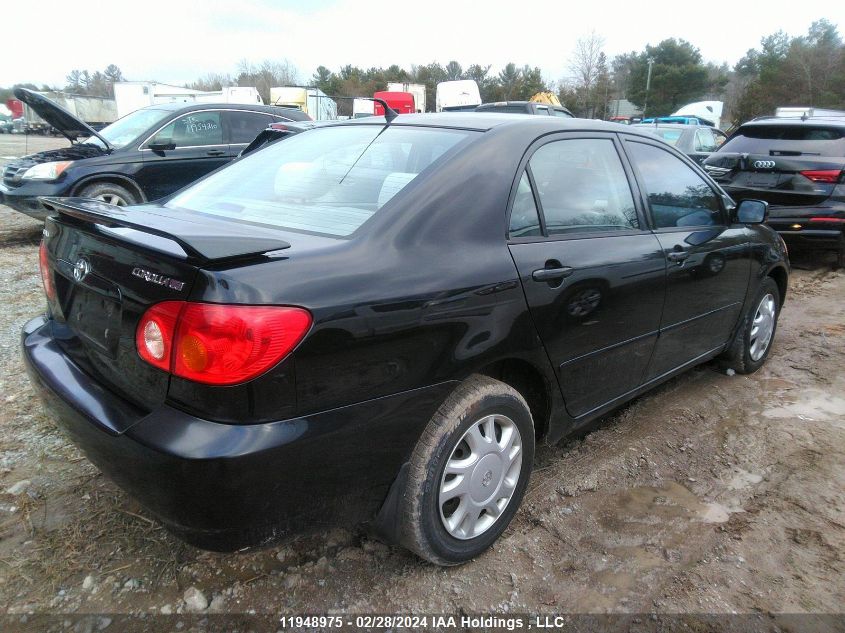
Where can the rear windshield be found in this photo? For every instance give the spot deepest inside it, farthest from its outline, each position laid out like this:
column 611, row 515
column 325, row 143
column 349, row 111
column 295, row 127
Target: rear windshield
column 669, row 135
column 328, row 180
column 790, row 140
column 505, row 108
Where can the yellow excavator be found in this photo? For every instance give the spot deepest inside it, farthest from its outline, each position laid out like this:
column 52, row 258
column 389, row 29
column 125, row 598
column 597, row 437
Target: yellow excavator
column 546, row 97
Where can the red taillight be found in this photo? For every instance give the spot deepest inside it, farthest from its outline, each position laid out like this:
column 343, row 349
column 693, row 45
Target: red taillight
column 823, row 175
column 837, row 220
column 219, row 344
column 46, row 275
column 155, row 333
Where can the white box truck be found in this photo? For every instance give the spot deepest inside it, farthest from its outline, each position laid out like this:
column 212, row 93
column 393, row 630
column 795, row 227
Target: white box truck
column 232, row 94
column 134, row 95
column 312, row 101
column 418, row 90
column 452, row 96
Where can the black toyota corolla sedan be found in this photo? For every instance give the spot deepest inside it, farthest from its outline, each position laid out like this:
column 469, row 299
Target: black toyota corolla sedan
column 373, row 322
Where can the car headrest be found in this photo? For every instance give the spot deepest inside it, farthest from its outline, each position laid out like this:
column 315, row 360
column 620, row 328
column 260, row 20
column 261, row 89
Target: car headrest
column 393, row 184
column 296, row 180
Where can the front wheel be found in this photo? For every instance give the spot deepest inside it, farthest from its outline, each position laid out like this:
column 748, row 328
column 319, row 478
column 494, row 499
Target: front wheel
column 468, row 472
column 109, row 193
column 753, row 341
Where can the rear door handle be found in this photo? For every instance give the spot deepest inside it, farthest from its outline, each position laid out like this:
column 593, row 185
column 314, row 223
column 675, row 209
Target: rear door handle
column 677, row 256
column 551, row 274
column 215, row 152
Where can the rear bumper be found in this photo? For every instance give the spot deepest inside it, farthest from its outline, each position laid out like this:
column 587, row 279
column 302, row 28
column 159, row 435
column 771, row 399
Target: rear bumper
column 223, row 486
column 794, row 225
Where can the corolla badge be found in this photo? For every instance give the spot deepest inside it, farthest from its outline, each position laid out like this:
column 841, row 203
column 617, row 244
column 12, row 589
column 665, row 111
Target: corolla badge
column 158, row 279
column 81, row 269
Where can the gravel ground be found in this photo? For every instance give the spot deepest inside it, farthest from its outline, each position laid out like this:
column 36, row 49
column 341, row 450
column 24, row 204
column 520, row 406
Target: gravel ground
column 712, row 494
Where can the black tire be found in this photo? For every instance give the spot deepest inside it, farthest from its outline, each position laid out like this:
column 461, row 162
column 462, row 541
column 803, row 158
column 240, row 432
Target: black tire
column 739, row 356
column 422, row 530
column 110, row 193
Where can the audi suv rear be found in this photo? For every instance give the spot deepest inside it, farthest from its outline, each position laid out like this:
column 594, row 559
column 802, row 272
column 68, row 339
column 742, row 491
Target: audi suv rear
column 797, row 165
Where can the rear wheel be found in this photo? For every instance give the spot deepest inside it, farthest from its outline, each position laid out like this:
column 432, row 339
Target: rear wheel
column 753, row 342
column 468, row 472
column 110, row 193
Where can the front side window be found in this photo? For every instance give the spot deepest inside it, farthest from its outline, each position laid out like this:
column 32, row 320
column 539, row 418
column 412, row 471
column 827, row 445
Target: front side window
column 582, row 187
column 677, row 196
column 328, row 180
column 197, row 128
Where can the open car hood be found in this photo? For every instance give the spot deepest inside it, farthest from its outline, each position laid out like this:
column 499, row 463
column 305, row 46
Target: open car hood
column 66, row 123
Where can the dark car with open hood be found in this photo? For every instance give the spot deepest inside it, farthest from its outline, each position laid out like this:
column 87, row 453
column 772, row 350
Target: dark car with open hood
column 376, row 321
column 143, row 156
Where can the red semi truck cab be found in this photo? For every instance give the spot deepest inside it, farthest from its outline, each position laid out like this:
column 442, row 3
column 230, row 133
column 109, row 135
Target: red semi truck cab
column 402, row 102
column 16, row 107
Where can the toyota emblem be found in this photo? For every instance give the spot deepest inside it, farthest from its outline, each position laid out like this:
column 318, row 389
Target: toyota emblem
column 81, row 268
column 764, row 164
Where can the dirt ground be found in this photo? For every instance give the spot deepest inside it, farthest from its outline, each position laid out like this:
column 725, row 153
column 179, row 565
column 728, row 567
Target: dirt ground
column 712, row 494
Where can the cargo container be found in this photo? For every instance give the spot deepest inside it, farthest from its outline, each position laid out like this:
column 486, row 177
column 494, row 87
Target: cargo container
column 362, row 108
column 97, row 112
column 313, row 101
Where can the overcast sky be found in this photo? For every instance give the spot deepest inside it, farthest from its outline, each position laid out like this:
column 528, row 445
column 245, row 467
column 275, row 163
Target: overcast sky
column 175, row 41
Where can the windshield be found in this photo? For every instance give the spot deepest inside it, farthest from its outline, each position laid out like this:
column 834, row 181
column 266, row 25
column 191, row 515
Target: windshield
column 125, row 130
column 328, row 180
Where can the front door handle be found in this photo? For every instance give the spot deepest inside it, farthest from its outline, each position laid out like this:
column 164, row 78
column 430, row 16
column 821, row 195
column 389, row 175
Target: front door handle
column 215, row 152
column 677, row 256
column 552, row 274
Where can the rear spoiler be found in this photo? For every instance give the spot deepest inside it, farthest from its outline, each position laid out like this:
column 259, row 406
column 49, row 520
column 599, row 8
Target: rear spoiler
column 203, row 238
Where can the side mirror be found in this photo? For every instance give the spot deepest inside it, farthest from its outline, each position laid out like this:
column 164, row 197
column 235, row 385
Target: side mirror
column 752, row 212
column 162, row 145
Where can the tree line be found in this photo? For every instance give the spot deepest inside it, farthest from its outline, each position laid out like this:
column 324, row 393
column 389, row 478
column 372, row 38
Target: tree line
column 805, row 70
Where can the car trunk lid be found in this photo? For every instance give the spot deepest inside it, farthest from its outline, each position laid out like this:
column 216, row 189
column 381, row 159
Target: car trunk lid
column 777, row 178
column 109, row 264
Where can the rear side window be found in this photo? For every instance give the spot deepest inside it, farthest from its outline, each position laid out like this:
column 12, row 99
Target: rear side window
column 525, row 221
column 328, row 180
column 245, row 126
column 582, row 187
column 788, row 140
column 704, row 140
column 677, row 196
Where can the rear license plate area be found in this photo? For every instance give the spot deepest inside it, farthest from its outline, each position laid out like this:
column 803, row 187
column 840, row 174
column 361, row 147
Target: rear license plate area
column 762, row 179
column 95, row 317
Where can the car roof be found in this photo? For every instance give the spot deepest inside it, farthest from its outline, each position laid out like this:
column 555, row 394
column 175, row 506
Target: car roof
column 785, row 121
column 491, row 120
column 182, row 106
